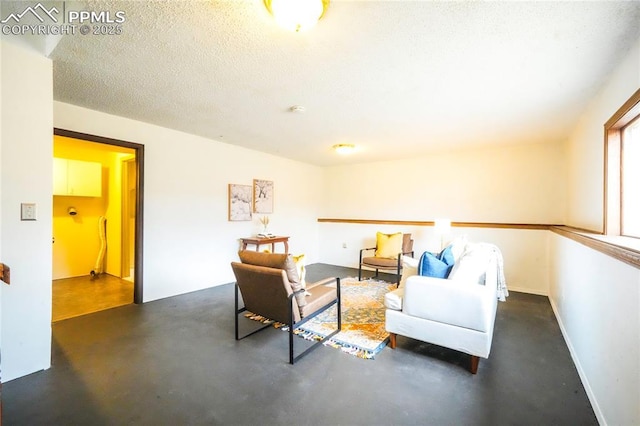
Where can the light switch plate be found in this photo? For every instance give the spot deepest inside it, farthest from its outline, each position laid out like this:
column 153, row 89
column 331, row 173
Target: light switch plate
column 28, row 211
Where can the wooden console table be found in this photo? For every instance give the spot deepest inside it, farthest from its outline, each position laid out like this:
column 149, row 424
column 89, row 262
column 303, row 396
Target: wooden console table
column 259, row 241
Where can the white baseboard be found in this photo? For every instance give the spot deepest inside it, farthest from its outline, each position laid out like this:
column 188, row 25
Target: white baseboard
column 581, row 373
column 527, row 290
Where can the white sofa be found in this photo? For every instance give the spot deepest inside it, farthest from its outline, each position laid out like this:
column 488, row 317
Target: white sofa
column 458, row 312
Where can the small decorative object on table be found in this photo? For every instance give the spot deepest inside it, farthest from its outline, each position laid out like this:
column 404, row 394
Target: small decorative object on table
column 264, row 220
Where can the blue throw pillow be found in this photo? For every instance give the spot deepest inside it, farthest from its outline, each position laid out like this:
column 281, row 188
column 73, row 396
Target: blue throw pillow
column 438, row 266
column 446, row 256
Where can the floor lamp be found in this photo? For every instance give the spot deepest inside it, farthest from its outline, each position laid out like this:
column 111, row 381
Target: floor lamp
column 442, row 227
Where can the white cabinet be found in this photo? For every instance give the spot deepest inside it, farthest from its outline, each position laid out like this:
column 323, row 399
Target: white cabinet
column 60, row 176
column 77, row 178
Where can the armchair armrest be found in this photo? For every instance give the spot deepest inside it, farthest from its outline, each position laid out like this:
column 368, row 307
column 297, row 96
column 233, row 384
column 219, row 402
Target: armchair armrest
column 365, row 249
column 319, row 301
column 323, row 281
column 453, row 302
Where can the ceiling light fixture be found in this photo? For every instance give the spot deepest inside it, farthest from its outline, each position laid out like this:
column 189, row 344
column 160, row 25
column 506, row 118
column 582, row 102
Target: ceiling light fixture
column 344, row 148
column 297, row 15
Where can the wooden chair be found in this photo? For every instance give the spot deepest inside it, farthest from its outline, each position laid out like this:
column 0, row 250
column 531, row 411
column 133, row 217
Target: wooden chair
column 269, row 287
column 386, row 263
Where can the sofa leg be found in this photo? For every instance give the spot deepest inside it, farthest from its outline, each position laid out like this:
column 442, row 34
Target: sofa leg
column 392, row 340
column 475, row 360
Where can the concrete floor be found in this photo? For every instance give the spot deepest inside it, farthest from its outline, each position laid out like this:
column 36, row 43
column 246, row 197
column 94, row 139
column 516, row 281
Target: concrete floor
column 175, row 361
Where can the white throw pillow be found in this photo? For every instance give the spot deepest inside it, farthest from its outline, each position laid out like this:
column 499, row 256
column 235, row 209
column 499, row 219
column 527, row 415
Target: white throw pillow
column 458, row 247
column 409, row 269
column 472, row 266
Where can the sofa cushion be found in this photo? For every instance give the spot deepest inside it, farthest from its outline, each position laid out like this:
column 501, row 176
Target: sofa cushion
column 458, row 246
column 409, row 269
column 277, row 261
column 437, row 266
column 388, row 245
column 382, row 262
column 450, row 302
column 472, row 266
column 393, row 299
column 320, row 296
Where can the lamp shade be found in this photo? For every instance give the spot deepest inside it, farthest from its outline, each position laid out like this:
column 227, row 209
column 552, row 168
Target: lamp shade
column 442, row 226
column 296, row 15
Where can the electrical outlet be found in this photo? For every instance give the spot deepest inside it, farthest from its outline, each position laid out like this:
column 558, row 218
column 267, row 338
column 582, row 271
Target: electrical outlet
column 344, row 245
column 28, row 211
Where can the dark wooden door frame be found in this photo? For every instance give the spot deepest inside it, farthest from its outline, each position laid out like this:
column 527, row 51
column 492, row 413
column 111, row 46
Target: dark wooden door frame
column 139, row 149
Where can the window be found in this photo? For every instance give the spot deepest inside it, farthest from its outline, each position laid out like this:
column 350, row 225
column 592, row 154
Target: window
column 622, row 170
column 630, row 180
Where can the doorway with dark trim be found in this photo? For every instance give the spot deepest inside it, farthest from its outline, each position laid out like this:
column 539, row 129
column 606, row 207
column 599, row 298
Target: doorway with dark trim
column 79, row 198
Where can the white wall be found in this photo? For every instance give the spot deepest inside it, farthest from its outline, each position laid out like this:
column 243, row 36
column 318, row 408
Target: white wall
column 585, row 147
column 597, row 302
column 517, row 184
column 26, row 176
column 188, row 241
column 597, row 298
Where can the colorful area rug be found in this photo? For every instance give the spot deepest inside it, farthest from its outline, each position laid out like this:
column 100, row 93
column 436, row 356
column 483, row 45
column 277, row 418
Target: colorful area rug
column 363, row 334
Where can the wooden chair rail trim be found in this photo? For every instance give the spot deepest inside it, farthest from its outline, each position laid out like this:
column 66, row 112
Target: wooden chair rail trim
column 624, row 254
column 432, row 223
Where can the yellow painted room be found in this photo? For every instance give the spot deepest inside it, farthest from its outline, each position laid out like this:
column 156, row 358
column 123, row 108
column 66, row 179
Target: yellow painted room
column 94, row 189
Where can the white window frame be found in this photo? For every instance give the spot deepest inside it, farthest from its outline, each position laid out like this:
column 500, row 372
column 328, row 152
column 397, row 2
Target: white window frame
column 613, row 190
column 626, row 228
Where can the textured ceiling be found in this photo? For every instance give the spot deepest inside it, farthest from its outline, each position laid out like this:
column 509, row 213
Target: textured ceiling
column 395, row 78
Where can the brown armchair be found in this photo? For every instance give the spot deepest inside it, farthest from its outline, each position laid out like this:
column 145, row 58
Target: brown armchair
column 270, row 287
column 386, row 261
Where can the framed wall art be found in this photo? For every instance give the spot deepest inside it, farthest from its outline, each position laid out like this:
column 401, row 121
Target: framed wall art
column 262, row 196
column 240, row 197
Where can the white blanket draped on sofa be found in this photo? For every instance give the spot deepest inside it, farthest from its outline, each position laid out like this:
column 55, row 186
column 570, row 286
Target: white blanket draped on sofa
column 503, row 293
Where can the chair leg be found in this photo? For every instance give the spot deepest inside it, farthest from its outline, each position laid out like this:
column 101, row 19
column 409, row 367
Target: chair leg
column 360, row 272
column 339, row 308
column 236, row 311
column 293, row 358
column 392, row 340
column 475, row 360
